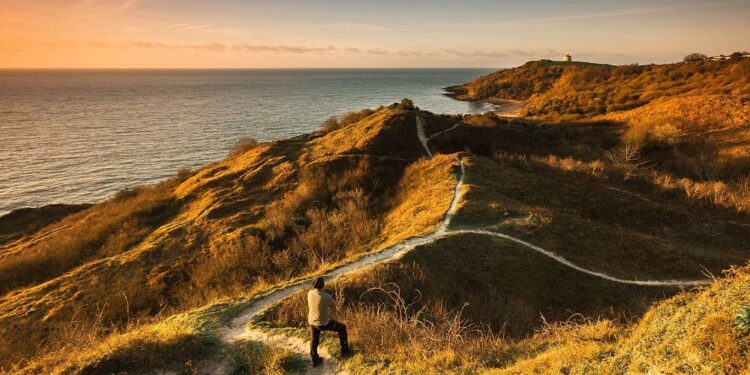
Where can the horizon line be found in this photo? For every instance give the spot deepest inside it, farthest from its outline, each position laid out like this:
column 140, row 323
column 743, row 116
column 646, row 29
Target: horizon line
column 254, row 68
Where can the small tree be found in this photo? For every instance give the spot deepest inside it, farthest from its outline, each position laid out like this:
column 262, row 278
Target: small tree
column 695, row 57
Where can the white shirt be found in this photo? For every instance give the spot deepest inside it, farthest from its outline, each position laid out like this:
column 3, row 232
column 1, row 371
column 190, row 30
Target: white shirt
column 318, row 305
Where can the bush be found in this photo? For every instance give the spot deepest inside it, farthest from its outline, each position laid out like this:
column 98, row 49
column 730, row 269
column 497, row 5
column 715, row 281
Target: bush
column 339, row 121
column 407, row 104
column 243, row 145
column 742, row 320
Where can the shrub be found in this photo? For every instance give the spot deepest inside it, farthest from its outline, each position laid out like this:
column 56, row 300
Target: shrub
column 339, row 121
column 708, row 168
column 243, row 145
column 407, row 104
column 695, row 56
column 630, row 152
column 742, row 320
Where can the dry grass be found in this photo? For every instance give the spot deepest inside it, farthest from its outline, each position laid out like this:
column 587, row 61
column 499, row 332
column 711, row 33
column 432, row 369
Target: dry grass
column 86, row 347
column 27, row 221
column 401, row 335
column 557, row 90
column 694, row 332
column 288, row 208
column 734, row 195
column 276, row 211
column 337, row 122
column 243, row 145
column 257, row 358
column 104, row 230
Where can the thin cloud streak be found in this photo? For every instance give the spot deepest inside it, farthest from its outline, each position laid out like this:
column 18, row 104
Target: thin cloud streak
column 118, row 8
column 245, row 48
column 616, row 13
column 183, row 27
column 354, row 26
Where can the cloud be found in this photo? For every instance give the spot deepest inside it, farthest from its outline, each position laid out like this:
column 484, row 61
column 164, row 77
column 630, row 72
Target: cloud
column 95, row 8
column 282, row 48
column 608, row 14
column 246, row 48
column 182, row 27
column 494, row 54
column 354, row 26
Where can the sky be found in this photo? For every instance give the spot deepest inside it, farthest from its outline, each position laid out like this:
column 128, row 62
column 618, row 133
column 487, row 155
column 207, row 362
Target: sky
column 358, row 34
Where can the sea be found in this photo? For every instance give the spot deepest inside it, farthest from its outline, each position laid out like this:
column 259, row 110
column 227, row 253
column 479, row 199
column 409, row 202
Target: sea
column 79, row 136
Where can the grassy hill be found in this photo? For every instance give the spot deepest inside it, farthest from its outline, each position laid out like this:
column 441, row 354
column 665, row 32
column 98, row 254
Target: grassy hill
column 147, row 280
column 558, row 90
column 293, row 206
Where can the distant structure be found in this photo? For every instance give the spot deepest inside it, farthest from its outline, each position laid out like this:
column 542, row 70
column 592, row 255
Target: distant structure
column 567, row 58
column 736, row 55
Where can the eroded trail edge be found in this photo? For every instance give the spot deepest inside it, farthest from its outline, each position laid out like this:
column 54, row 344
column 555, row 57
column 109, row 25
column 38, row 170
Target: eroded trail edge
column 239, row 330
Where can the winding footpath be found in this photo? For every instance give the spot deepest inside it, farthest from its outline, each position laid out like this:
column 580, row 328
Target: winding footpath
column 238, row 329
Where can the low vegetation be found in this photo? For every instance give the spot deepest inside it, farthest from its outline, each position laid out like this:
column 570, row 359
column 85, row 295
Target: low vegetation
column 655, row 192
column 243, row 145
column 258, row 358
column 104, row 230
column 186, row 242
column 26, row 221
column 559, row 90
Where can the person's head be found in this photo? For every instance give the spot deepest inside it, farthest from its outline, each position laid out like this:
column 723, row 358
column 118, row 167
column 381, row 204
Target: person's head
column 319, row 283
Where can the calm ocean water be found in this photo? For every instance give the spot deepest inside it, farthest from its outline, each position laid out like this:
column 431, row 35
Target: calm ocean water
column 79, row 136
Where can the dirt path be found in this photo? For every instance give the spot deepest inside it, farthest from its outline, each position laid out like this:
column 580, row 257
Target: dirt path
column 237, row 330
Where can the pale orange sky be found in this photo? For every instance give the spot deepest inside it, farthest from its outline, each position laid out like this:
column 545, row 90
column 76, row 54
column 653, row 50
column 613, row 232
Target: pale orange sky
column 338, row 33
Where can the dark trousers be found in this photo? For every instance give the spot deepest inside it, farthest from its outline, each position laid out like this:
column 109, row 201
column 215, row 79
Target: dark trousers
column 331, row 326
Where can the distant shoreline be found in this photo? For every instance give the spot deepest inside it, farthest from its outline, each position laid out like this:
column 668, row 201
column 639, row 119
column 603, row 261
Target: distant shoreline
column 504, row 107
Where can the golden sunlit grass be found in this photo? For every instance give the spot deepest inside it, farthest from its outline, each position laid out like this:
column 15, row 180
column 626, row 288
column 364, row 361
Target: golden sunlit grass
column 104, row 230
column 257, row 358
column 423, row 196
column 556, row 90
column 437, row 309
column 26, row 221
column 257, row 218
column 702, row 332
column 90, row 349
column 280, row 210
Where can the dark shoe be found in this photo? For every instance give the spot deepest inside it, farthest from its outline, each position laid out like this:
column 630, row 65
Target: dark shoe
column 346, row 352
column 317, row 361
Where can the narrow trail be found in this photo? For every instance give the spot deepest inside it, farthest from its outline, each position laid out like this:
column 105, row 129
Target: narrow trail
column 238, row 328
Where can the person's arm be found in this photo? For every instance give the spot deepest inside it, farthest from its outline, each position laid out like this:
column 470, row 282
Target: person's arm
column 331, row 302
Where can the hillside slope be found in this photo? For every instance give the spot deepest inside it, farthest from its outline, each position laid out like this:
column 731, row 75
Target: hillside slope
column 158, row 277
column 554, row 90
column 293, row 206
